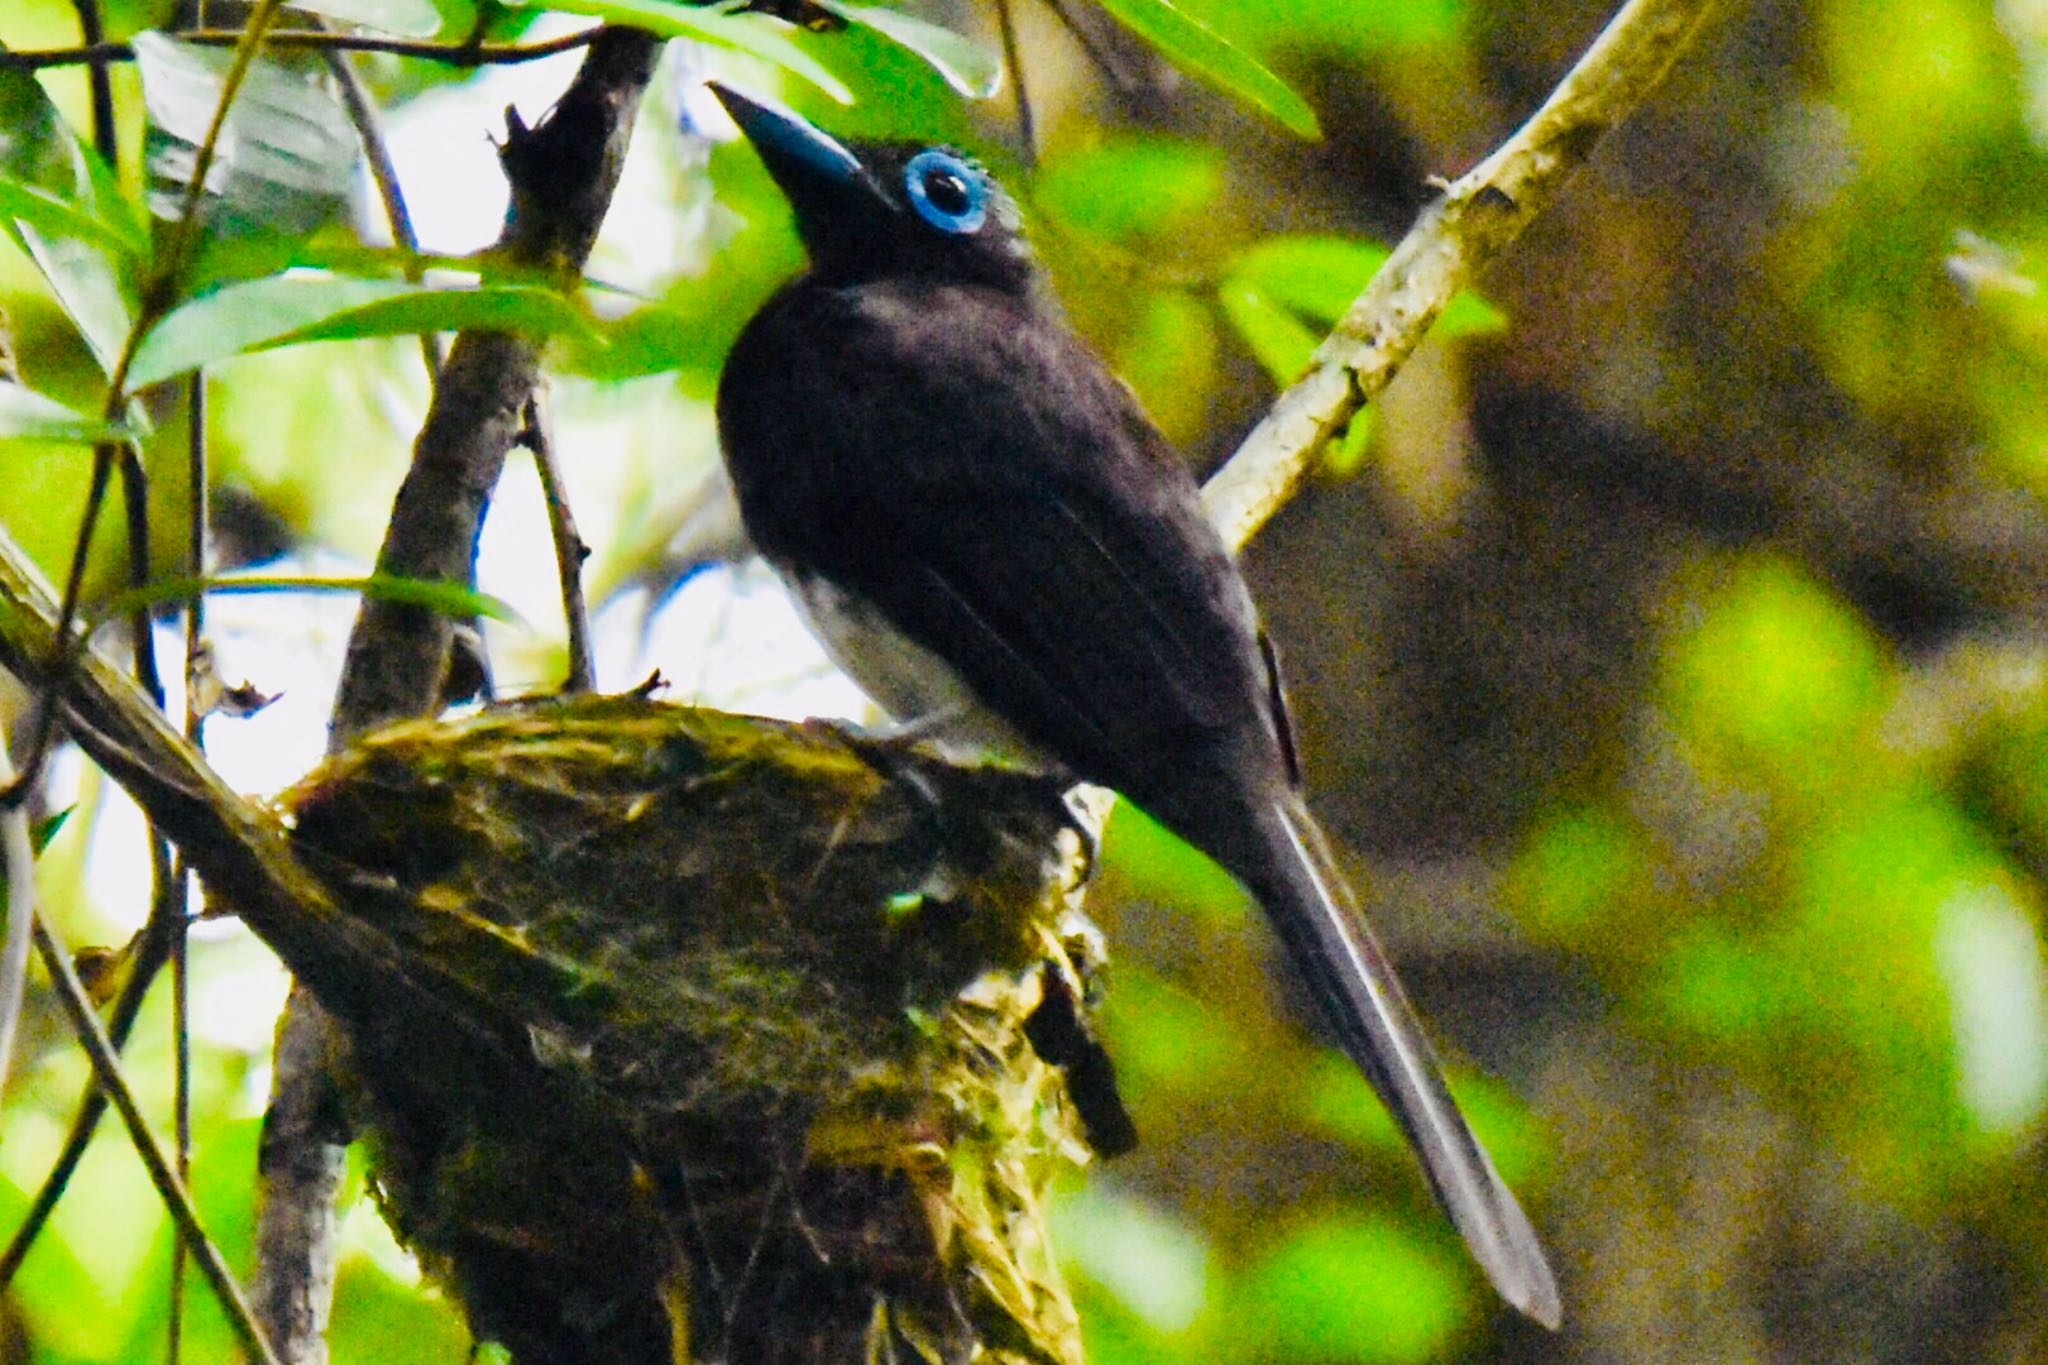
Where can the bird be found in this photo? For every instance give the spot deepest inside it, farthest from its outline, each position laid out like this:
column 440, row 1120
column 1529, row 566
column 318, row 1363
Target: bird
column 984, row 529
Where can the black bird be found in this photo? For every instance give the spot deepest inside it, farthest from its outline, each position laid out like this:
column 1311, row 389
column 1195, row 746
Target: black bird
column 989, row 535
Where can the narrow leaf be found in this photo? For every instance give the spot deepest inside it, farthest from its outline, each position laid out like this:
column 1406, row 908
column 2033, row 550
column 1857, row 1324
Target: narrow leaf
column 55, row 217
column 286, row 309
column 48, row 167
column 1316, row 276
column 968, row 67
column 1202, row 52
column 92, row 289
column 44, row 830
column 52, row 179
column 285, row 159
column 1319, row 277
column 1277, row 338
column 26, row 415
column 757, row 35
column 1133, row 187
column 449, row 599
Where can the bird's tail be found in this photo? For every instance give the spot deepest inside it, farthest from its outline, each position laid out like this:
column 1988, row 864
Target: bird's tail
column 1313, row 910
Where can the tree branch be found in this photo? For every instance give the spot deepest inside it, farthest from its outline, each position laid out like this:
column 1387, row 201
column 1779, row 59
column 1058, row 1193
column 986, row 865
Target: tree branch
column 562, row 174
column 1479, row 215
column 71, row 995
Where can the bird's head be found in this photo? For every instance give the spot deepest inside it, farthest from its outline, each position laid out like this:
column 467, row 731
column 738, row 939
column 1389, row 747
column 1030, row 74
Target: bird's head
column 887, row 210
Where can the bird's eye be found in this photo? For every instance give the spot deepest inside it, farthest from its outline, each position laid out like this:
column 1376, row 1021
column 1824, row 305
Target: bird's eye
column 946, row 191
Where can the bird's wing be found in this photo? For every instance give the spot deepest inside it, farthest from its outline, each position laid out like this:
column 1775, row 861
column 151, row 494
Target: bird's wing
column 974, row 474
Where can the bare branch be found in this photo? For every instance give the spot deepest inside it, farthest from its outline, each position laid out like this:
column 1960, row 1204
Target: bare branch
column 570, row 551
column 146, row 958
column 562, row 174
column 18, row 865
column 1479, row 215
column 106, row 1066
column 105, row 138
column 362, row 112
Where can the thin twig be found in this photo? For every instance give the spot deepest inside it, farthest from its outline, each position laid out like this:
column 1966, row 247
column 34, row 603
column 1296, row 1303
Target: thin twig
column 107, row 1067
column 146, row 960
column 570, row 551
column 135, row 501
column 181, row 1088
column 1013, row 61
column 175, row 909
column 198, row 517
column 106, row 139
column 362, row 112
column 20, row 871
column 455, row 54
column 1478, row 216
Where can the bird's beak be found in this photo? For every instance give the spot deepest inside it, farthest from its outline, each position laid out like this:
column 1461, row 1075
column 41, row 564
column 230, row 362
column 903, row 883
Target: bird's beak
column 806, row 163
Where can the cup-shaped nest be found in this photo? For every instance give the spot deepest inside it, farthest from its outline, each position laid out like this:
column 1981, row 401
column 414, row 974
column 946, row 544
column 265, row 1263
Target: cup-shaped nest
column 682, row 1036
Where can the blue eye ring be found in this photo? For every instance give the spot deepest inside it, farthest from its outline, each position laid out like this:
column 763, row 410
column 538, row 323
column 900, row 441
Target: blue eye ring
column 947, row 192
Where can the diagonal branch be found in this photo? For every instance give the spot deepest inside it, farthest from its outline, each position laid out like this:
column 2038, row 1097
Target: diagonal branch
column 106, row 1065
column 1479, row 215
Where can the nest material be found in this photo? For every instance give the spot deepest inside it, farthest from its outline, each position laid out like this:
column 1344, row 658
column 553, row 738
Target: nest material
column 690, row 1037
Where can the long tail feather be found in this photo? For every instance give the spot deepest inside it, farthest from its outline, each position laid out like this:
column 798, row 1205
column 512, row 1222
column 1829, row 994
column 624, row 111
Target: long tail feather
column 1313, row 910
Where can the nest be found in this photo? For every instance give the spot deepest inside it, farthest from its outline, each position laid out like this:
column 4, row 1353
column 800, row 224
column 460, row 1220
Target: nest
column 691, row 1037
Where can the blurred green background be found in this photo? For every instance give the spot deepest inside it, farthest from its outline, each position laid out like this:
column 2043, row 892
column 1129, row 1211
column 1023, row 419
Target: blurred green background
column 1667, row 651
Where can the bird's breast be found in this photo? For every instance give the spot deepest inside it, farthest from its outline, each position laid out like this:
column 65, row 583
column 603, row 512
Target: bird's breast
column 918, row 689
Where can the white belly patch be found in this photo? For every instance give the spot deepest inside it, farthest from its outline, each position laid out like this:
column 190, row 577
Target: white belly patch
column 919, row 690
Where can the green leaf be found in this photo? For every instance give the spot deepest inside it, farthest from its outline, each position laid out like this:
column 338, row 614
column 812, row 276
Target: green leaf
column 1202, row 52
column 1153, row 864
column 1129, row 188
column 286, row 156
column 1469, row 315
column 1168, row 1042
column 406, row 18
column 757, row 35
column 376, row 1317
column 449, row 599
column 1360, row 36
column 49, row 169
column 1775, row 672
column 26, row 415
column 44, row 830
column 1992, row 278
column 286, row 309
column 1346, row 1287
column 1318, row 277
column 968, row 67
column 1277, row 338
column 53, row 216
column 51, row 180
column 1156, row 1265
column 1344, row 456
